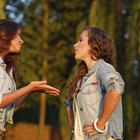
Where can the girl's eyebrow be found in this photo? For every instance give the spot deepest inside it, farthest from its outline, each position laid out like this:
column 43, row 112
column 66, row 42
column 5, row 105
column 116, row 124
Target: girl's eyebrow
column 19, row 32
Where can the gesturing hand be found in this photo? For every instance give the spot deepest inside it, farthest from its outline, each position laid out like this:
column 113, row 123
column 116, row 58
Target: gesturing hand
column 42, row 86
column 51, row 90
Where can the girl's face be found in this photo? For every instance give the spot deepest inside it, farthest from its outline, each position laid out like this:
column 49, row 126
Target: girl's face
column 16, row 43
column 82, row 48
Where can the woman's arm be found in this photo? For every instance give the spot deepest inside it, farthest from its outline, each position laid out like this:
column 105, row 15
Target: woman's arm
column 111, row 101
column 70, row 117
column 11, row 97
column 20, row 101
column 49, row 89
column 69, row 111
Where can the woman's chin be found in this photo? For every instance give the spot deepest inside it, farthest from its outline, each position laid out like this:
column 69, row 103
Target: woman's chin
column 77, row 58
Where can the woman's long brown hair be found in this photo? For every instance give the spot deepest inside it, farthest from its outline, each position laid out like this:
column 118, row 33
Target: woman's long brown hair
column 8, row 30
column 101, row 48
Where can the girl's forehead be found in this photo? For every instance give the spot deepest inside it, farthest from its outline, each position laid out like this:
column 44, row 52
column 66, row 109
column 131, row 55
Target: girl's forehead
column 84, row 33
column 19, row 31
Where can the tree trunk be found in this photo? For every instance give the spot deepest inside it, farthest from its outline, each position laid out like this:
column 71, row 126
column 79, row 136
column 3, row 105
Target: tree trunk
column 43, row 98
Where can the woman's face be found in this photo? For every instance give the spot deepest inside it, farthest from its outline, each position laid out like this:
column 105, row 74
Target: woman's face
column 82, row 48
column 16, row 43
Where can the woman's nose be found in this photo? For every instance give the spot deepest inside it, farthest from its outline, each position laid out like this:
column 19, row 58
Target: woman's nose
column 21, row 41
column 74, row 45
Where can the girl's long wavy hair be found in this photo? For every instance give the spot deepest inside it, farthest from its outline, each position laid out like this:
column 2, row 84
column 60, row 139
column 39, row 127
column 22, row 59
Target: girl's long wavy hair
column 8, row 31
column 101, row 48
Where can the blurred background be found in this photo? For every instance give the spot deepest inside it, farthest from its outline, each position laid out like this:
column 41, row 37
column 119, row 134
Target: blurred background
column 49, row 30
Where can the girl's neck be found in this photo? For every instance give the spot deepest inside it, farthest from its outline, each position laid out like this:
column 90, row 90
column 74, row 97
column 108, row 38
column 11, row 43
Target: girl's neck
column 90, row 64
column 2, row 56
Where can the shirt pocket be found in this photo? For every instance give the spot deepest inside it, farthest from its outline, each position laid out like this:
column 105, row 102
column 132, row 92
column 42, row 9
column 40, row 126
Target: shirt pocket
column 90, row 93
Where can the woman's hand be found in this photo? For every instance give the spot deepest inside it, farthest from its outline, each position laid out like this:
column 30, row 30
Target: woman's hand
column 89, row 130
column 42, row 86
column 51, row 90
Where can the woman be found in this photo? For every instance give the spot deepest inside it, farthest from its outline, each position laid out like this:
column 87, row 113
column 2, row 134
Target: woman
column 96, row 90
column 10, row 97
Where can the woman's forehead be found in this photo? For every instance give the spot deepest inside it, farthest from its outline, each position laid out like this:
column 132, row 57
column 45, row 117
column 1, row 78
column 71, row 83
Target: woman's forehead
column 84, row 33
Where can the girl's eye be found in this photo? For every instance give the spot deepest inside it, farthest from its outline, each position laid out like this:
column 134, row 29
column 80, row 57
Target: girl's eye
column 19, row 34
column 80, row 40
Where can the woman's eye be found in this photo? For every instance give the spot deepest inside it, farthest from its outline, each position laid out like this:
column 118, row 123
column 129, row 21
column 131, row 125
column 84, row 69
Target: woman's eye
column 80, row 40
column 19, row 34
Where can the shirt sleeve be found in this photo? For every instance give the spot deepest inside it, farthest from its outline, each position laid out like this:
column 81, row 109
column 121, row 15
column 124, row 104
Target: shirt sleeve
column 2, row 80
column 111, row 79
column 69, row 103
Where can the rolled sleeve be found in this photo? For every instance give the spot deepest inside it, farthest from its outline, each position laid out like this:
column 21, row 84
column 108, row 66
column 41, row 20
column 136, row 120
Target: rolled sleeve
column 111, row 79
column 69, row 103
column 114, row 81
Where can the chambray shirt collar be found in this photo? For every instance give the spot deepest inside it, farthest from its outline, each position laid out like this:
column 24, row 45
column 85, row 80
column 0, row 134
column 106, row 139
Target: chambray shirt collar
column 2, row 63
column 94, row 68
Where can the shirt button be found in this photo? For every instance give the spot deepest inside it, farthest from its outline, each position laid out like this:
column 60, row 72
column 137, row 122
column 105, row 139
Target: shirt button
column 12, row 105
column 81, row 109
column 9, row 88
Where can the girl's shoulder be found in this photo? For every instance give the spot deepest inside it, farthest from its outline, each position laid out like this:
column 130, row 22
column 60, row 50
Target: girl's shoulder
column 104, row 69
column 104, row 66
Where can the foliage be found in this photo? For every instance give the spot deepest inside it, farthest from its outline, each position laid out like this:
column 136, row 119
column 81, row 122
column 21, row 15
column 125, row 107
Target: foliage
column 65, row 22
column 2, row 6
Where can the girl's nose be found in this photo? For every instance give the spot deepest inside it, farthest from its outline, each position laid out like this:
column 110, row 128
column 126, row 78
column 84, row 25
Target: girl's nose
column 21, row 41
column 74, row 45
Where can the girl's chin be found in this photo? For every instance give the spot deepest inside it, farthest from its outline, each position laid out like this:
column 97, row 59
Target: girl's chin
column 77, row 58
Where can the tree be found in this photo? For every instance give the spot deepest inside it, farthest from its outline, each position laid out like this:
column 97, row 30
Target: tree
column 65, row 21
column 121, row 21
column 105, row 18
column 2, row 6
column 132, row 68
column 42, row 115
column 62, row 21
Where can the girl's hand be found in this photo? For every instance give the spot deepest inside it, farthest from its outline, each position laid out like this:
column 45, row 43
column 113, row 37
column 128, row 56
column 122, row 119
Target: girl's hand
column 51, row 90
column 89, row 130
column 42, row 86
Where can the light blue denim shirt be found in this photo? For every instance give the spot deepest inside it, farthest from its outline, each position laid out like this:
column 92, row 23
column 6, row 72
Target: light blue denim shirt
column 108, row 79
column 7, row 84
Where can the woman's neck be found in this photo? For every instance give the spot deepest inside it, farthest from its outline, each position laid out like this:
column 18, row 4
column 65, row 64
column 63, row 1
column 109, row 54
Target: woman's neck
column 2, row 56
column 90, row 64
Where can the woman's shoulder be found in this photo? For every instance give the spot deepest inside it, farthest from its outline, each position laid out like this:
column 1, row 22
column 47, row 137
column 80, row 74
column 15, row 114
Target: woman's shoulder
column 104, row 66
column 104, row 69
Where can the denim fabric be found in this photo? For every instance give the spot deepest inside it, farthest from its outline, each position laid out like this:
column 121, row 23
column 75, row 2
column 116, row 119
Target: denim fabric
column 90, row 98
column 7, row 84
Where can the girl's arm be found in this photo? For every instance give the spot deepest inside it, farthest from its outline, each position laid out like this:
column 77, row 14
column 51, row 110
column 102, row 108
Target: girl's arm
column 22, row 93
column 69, row 111
column 20, row 101
column 70, row 117
column 111, row 101
column 11, row 97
